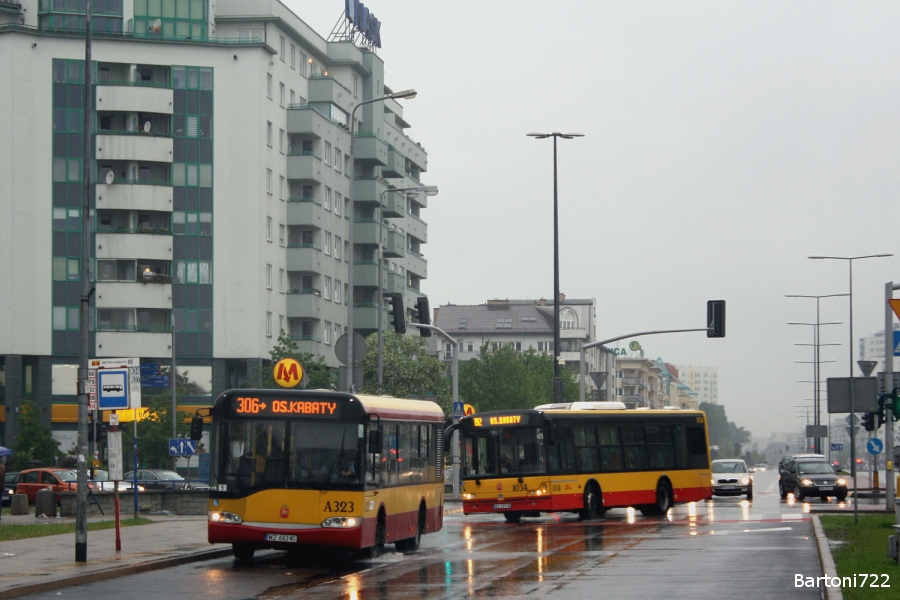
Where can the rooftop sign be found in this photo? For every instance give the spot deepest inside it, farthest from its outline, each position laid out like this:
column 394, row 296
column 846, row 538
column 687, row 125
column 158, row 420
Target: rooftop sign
column 364, row 21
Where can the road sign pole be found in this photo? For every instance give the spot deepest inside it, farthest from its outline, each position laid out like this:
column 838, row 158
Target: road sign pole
column 889, row 491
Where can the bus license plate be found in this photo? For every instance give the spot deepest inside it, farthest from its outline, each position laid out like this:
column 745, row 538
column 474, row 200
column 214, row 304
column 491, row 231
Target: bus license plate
column 280, row 537
column 827, row 488
column 498, row 506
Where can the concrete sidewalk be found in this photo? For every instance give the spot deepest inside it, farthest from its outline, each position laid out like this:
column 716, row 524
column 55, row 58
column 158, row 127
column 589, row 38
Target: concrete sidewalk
column 45, row 563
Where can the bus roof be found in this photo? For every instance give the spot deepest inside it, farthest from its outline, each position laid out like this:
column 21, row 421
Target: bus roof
column 389, row 407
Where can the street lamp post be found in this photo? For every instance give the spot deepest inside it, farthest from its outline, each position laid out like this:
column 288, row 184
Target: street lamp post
column 351, row 363
column 557, row 379
column 429, row 190
column 850, row 260
column 816, row 358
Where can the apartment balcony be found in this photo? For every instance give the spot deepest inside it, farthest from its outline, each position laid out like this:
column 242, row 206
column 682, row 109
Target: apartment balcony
column 416, row 264
column 365, row 273
column 633, row 381
column 303, row 119
column 304, row 166
column 573, row 334
column 134, row 146
column 370, row 149
column 368, row 190
column 395, row 165
column 394, row 205
column 395, row 244
column 417, row 228
column 324, row 88
column 368, row 231
column 394, row 283
column 309, row 344
column 126, row 293
column 634, row 400
column 306, row 304
column 125, row 245
column 305, row 258
column 128, row 97
column 122, row 342
column 365, row 316
column 124, row 196
column 304, row 211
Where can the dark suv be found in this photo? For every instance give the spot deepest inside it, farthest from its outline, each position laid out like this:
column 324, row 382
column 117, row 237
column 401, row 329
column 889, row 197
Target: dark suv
column 811, row 477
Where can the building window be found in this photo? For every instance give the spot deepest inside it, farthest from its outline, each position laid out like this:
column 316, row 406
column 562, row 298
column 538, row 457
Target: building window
column 327, row 198
column 281, row 230
column 268, row 229
column 281, row 280
column 281, row 138
column 328, row 288
column 281, row 49
column 337, row 160
column 545, row 346
column 269, row 133
column 280, row 324
column 504, row 323
column 337, row 291
column 293, row 97
column 281, row 95
column 337, row 332
column 269, row 277
column 337, row 247
column 269, row 181
column 327, row 243
column 568, row 319
column 346, row 251
column 293, row 57
column 327, row 153
column 327, row 332
column 303, row 64
column 337, row 204
column 268, row 324
column 269, row 85
column 355, row 86
column 282, row 185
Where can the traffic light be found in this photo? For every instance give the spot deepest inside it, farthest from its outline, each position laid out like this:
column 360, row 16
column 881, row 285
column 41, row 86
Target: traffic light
column 868, row 421
column 715, row 318
column 101, row 432
column 882, row 405
column 895, row 403
column 424, row 315
column 197, row 428
column 398, row 313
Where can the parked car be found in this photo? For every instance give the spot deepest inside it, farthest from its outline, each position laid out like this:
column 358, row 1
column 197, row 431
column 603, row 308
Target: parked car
column 55, row 478
column 164, row 479
column 101, row 482
column 804, row 477
column 731, row 477
column 9, row 487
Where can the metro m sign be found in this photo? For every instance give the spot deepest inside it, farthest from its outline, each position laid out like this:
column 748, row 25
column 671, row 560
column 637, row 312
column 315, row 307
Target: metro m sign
column 288, row 373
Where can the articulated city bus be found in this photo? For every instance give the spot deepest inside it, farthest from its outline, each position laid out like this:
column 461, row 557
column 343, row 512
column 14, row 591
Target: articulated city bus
column 293, row 468
column 583, row 457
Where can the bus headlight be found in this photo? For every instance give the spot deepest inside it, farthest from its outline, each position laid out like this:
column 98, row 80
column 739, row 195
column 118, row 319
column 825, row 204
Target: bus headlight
column 467, row 496
column 339, row 522
column 225, row 517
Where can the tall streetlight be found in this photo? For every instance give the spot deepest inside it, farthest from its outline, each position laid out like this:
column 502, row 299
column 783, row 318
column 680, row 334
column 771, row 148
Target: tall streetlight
column 850, row 260
column 557, row 380
column 816, row 346
column 351, row 362
column 411, row 192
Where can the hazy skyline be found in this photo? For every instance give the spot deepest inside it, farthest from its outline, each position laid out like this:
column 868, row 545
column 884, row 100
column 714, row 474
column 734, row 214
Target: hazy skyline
column 724, row 143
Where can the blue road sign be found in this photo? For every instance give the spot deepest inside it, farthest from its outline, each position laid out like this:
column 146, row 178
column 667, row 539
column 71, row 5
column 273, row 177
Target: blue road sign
column 182, row 447
column 874, row 446
column 113, row 387
column 458, row 409
column 837, row 447
column 150, row 369
column 896, row 343
column 155, row 381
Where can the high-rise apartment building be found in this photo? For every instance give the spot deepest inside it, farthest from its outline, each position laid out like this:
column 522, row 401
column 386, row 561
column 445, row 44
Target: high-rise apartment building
column 222, row 196
column 704, row 381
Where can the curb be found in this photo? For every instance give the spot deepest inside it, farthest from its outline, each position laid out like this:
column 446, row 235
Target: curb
column 826, row 561
column 112, row 573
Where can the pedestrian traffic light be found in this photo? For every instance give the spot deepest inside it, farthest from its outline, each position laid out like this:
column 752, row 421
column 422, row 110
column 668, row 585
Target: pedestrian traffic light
column 868, row 421
column 424, row 315
column 715, row 318
column 197, row 428
column 398, row 313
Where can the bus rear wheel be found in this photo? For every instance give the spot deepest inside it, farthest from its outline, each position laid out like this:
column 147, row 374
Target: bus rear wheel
column 243, row 552
column 410, row 545
column 663, row 500
column 593, row 503
column 512, row 517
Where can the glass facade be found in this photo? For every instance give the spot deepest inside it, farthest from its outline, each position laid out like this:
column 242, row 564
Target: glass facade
column 182, row 19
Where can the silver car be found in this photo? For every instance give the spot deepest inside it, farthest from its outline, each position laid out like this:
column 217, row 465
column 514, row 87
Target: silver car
column 731, row 477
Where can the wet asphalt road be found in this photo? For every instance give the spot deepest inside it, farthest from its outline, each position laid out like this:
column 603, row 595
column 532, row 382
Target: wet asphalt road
column 727, row 547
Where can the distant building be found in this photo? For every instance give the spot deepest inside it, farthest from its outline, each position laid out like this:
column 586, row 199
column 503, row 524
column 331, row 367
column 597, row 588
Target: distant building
column 872, row 348
column 703, row 380
column 524, row 324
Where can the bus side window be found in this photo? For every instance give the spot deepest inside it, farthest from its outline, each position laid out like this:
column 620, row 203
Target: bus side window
column 564, row 450
column 696, row 442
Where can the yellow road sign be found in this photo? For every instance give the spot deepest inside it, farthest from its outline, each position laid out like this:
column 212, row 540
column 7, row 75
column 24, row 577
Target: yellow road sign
column 895, row 304
column 288, row 373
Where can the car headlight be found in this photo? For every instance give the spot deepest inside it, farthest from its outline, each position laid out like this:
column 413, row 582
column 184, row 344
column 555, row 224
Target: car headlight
column 842, row 481
column 806, row 482
column 745, row 480
column 224, row 517
column 338, row 522
column 713, row 481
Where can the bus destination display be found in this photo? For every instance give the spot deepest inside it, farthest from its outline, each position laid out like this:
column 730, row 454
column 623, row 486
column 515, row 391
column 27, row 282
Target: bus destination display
column 276, row 407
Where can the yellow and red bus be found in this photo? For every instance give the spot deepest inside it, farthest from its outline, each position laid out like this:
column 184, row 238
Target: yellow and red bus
column 293, row 468
column 583, row 457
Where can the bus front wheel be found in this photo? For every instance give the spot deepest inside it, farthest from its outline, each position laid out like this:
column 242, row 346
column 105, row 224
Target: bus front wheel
column 242, row 552
column 593, row 503
column 512, row 517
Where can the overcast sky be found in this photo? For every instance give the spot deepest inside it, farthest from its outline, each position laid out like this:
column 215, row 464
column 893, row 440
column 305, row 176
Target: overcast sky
column 724, row 143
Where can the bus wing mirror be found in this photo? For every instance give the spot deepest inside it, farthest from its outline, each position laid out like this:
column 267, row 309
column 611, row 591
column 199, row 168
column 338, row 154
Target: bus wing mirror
column 376, row 442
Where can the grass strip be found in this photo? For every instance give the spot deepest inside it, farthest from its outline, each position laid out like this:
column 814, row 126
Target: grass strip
column 862, row 549
column 21, row 532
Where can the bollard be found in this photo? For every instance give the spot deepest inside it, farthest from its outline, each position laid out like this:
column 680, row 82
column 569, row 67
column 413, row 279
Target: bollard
column 45, row 503
column 19, row 504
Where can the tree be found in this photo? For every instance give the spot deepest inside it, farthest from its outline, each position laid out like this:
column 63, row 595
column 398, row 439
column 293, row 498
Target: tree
column 503, row 378
column 155, row 431
column 34, row 441
column 722, row 432
column 321, row 376
column 407, row 370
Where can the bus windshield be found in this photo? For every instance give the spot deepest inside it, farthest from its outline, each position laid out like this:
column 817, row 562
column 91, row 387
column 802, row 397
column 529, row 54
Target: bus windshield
column 518, row 451
column 297, row 454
